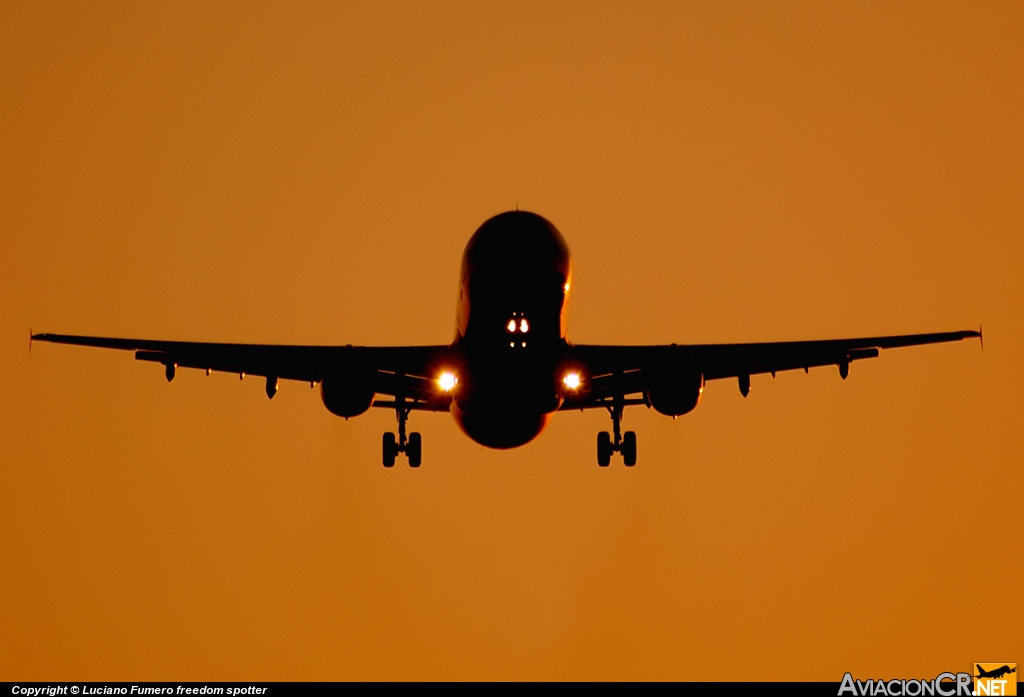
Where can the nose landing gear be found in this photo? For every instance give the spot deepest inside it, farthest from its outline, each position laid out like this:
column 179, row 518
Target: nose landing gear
column 616, row 442
column 411, row 446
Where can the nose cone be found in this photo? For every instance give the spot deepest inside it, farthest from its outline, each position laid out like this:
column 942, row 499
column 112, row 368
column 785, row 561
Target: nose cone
column 516, row 268
column 517, row 241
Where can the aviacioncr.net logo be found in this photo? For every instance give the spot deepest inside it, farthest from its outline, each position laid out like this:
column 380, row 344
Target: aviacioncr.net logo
column 942, row 685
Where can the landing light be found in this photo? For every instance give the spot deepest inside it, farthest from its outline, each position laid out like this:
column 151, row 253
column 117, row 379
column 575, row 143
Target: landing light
column 571, row 380
column 511, row 325
column 524, row 326
column 447, row 381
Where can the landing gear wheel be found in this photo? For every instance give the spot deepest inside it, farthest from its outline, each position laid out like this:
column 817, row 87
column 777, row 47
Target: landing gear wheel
column 629, row 448
column 390, row 449
column 414, row 449
column 604, row 449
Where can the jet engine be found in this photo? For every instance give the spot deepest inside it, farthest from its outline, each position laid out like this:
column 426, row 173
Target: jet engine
column 674, row 391
column 348, row 392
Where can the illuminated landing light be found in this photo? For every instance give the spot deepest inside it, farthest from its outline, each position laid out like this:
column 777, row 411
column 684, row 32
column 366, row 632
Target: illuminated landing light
column 571, row 380
column 517, row 324
column 566, row 287
column 512, row 344
column 447, row 381
column 524, row 344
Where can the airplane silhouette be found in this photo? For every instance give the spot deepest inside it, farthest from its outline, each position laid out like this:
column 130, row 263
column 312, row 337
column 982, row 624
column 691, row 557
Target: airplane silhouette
column 997, row 673
column 511, row 366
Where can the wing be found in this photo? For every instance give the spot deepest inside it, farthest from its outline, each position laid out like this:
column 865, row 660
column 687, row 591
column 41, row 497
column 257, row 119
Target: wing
column 408, row 371
column 632, row 370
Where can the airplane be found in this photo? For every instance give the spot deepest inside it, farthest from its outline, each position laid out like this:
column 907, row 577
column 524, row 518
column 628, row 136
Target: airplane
column 511, row 365
column 996, row 673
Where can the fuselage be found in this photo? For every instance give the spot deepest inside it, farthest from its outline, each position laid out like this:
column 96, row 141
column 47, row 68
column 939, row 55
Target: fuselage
column 510, row 329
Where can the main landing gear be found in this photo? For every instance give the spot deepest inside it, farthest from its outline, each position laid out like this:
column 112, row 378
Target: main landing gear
column 411, row 446
column 624, row 443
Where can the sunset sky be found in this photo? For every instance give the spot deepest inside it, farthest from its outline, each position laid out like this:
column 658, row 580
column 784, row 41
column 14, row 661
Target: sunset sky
column 304, row 172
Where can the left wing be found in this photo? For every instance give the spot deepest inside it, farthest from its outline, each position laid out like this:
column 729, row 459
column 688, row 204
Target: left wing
column 396, row 370
column 617, row 371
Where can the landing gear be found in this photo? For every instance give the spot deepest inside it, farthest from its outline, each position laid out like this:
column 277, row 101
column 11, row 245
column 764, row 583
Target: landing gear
column 414, row 449
column 390, row 449
column 628, row 448
column 616, row 442
column 604, row 449
column 411, row 446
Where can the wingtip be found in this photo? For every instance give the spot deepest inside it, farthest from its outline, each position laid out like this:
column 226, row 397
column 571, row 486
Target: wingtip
column 981, row 337
column 31, row 336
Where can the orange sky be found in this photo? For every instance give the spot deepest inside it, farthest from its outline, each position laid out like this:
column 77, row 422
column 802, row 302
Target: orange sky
column 309, row 173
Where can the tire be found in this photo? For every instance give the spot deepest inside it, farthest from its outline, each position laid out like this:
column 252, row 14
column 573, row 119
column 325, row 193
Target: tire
column 604, row 449
column 414, row 449
column 389, row 447
column 629, row 448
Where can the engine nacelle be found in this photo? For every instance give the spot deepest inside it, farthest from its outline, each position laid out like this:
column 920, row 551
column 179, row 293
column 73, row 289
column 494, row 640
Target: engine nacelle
column 348, row 392
column 675, row 391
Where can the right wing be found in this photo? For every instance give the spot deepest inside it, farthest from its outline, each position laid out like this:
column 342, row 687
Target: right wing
column 624, row 370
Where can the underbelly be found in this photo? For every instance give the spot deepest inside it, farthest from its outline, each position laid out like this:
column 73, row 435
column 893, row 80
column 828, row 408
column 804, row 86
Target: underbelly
column 501, row 428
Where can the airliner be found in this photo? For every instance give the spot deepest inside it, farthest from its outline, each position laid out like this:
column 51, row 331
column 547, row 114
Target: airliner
column 511, row 366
